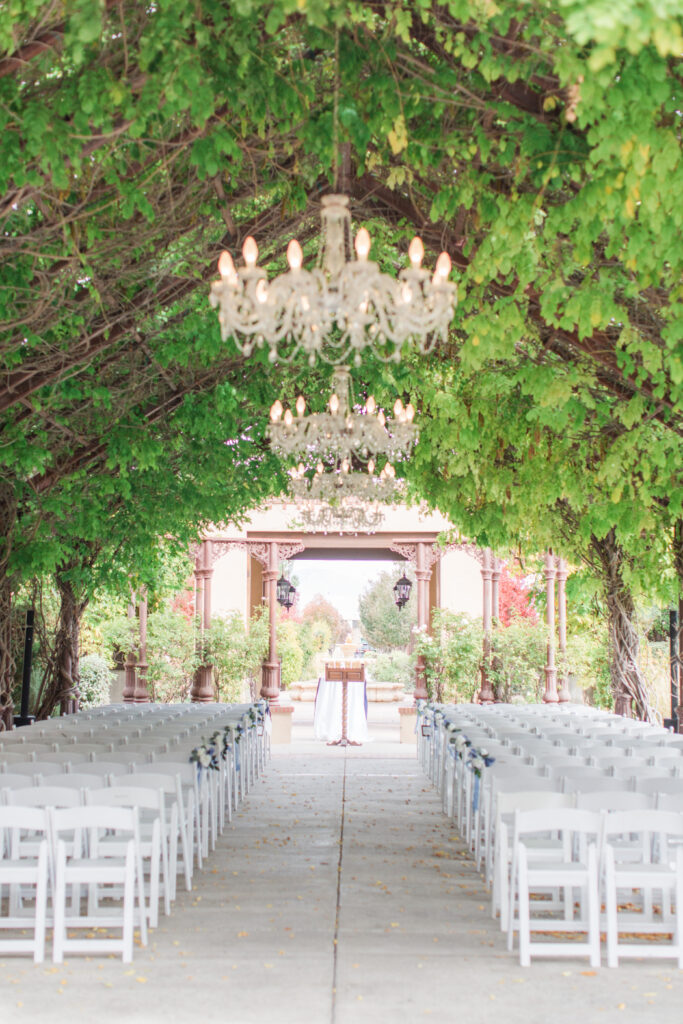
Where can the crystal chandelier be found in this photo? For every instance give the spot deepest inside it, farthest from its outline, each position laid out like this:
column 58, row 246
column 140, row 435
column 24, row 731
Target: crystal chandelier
column 339, row 309
column 342, row 433
column 348, row 517
column 336, row 484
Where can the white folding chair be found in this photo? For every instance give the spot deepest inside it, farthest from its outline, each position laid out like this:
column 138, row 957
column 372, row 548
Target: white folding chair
column 34, row 768
column 153, row 842
column 83, row 858
column 509, row 800
column 24, row 866
column 612, row 800
column 642, row 855
column 578, row 832
column 102, row 769
column 184, row 776
column 10, row 780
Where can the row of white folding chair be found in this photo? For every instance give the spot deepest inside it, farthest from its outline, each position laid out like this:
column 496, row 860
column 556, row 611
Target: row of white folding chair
column 513, row 795
column 183, row 785
column 606, row 852
column 156, row 822
column 36, row 844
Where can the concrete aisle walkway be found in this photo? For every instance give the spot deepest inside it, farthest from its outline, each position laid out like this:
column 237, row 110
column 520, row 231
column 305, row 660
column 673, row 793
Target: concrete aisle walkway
column 340, row 895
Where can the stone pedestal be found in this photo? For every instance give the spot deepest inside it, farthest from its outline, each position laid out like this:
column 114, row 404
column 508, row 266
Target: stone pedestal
column 407, row 718
column 281, row 715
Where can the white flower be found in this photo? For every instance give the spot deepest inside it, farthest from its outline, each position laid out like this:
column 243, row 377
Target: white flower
column 478, row 763
column 460, row 742
column 204, row 758
column 483, row 753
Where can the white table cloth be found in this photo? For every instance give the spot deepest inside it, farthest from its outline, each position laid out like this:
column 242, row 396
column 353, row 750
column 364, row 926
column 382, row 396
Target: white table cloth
column 327, row 718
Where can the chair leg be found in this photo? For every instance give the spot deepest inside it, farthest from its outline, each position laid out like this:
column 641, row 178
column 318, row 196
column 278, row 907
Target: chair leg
column 128, row 907
column 41, row 907
column 59, row 901
column 523, row 902
column 611, row 910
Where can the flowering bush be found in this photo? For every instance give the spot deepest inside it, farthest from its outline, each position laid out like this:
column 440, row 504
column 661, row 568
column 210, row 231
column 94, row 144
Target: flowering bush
column 452, row 655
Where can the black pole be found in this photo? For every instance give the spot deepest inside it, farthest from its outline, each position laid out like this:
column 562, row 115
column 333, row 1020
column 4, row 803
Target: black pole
column 24, row 718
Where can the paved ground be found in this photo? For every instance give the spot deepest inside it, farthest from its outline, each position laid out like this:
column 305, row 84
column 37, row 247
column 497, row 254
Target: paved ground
column 340, row 895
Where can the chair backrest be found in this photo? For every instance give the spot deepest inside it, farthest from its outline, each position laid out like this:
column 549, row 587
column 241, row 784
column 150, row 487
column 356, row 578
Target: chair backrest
column 13, row 780
column 146, row 797
column 127, row 758
column 96, row 816
column 646, row 824
column 186, row 770
column 566, row 820
column 670, row 802
column 613, row 800
column 100, row 769
column 662, row 784
column 65, row 757
column 31, row 819
column 12, row 757
column 45, row 796
column 165, row 781
column 38, row 768
column 81, row 780
column 529, row 800
column 597, row 783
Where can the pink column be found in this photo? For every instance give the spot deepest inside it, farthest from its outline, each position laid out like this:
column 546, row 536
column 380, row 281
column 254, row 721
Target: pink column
column 270, row 672
column 141, row 695
column 131, row 660
column 486, row 694
column 423, row 575
column 550, row 695
column 202, row 686
column 563, row 684
column 496, row 569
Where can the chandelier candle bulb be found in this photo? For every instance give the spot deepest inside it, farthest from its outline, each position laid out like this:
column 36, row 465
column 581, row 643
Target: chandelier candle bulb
column 443, row 266
column 226, row 268
column 276, row 411
column 289, row 419
column 346, row 466
column 370, row 405
column 416, row 251
column 334, row 404
column 362, row 244
column 320, row 468
column 381, row 418
column 295, row 256
column 371, row 467
column 398, row 408
column 262, row 291
column 300, row 405
column 250, row 251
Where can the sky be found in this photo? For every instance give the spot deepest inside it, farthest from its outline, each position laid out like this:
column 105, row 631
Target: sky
column 340, row 582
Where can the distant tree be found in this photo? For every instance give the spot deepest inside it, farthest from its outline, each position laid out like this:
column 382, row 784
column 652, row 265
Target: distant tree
column 516, row 599
column 321, row 610
column 383, row 624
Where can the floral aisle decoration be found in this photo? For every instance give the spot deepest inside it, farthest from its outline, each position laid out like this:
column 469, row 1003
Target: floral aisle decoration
column 209, row 753
column 476, row 759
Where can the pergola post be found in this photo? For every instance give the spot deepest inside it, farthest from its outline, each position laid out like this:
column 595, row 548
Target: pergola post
column 563, row 695
column 486, row 694
column 270, row 677
column 141, row 694
column 202, row 686
column 423, row 575
column 550, row 695
column 131, row 660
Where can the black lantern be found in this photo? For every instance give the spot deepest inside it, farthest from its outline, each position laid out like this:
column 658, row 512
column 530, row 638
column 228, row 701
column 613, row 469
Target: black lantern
column 289, row 600
column 402, row 591
column 284, row 588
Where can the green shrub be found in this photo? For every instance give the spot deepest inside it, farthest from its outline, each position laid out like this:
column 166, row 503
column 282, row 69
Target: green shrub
column 96, row 680
column 393, row 667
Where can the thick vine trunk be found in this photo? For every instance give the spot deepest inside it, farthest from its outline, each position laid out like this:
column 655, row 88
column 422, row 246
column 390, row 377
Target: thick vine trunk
column 8, row 511
column 628, row 683
column 677, row 667
column 61, row 682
